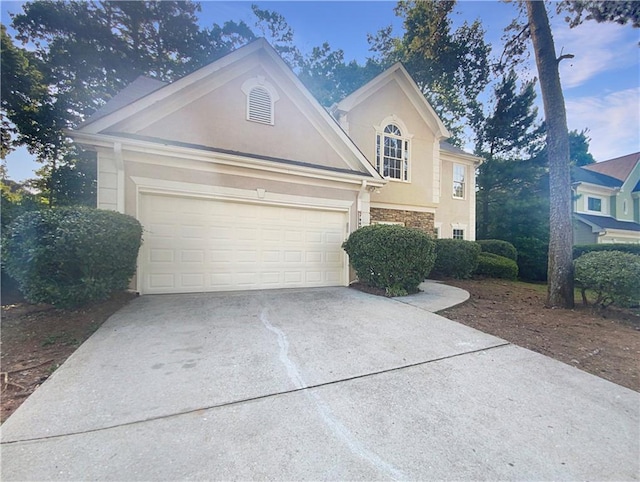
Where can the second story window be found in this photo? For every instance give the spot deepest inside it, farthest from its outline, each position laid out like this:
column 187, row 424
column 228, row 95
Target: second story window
column 459, row 175
column 392, row 153
column 594, row 204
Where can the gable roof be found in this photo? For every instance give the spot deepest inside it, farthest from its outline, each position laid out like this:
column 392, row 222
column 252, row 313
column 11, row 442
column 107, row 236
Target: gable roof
column 145, row 93
column 607, row 222
column 139, row 88
column 619, row 167
column 578, row 174
column 407, row 84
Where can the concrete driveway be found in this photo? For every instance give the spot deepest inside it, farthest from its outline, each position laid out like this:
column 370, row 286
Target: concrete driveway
column 327, row 384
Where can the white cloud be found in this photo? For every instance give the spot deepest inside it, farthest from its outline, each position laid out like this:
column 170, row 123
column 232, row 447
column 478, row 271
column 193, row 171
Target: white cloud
column 613, row 121
column 598, row 48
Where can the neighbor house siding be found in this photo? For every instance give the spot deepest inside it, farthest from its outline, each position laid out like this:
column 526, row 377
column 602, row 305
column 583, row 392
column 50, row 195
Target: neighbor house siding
column 582, row 234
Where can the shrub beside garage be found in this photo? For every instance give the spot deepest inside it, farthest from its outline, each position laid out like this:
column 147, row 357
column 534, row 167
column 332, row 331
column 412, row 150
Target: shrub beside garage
column 70, row 256
column 391, row 257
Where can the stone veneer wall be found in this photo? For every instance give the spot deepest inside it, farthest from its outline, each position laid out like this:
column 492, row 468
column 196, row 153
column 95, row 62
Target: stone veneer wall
column 411, row 219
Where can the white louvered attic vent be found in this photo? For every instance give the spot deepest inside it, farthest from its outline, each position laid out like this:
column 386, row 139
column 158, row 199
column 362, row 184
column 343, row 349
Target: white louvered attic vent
column 260, row 108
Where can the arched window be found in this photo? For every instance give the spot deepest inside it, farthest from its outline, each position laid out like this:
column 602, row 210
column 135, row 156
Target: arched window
column 392, row 153
column 261, row 98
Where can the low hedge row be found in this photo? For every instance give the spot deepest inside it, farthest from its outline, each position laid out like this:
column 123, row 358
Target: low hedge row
column 455, row 258
column 499, row 247
column 495, row 266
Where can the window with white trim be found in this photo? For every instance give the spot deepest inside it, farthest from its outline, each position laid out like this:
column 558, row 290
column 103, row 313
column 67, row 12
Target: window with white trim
column 459, row 179
column 458, row 234
column 392, row 153
column 594, row 204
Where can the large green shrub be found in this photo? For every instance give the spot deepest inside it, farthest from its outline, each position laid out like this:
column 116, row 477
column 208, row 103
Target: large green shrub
column 581, row 249
column 456, row 258
column 499, row 247
column 614, row 276
column 391, row 257
column 532, row 258
column 495, row 266
column 70, row 256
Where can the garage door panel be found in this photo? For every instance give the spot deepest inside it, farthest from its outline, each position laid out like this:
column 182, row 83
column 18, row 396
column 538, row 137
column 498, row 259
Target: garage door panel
column 194, row 244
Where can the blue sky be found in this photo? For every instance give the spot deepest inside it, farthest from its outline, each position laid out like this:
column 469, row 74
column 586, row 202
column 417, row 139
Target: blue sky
column 601, row 84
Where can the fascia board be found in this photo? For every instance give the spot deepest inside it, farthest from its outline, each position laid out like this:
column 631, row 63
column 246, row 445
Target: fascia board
column 408, row 86
column 455, row 157
column 170, row 89
column 598, row 188
column 362, row 93
column 108, row 142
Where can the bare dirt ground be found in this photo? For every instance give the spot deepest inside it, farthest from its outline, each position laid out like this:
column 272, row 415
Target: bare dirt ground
column 35, row 340
column 604, row 343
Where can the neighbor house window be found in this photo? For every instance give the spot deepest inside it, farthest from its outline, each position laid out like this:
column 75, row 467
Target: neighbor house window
column 261, row 98
column 594, row 204
column 458, row 234
column 392, row 153
column 459, row 175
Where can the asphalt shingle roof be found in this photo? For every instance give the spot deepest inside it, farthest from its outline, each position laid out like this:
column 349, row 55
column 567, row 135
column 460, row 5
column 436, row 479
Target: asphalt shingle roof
column 579, row 174
column 607, row 222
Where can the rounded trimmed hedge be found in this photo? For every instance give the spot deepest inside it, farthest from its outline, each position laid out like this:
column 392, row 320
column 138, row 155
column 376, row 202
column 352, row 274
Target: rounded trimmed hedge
column 455, row 258
column 394, row 258
column 581, row 249
column 495, row 266
column 70, row 256
column 613, row 275
column 499, row 247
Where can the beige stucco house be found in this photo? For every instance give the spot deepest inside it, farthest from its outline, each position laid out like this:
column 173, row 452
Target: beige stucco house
column 242, row 180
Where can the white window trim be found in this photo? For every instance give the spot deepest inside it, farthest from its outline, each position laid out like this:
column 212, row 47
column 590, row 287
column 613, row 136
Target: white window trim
column 603, row 206
column 464, row 182
column 438, row 229
column 394, row 119
column 251, row 84
column 463, row 227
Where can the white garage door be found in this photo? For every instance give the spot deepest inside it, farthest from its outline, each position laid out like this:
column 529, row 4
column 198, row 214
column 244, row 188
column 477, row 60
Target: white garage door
column 193, row 244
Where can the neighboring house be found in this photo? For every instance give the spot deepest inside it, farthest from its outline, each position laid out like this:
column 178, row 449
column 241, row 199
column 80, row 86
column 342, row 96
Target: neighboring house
column 242, row 180
column 607, row 201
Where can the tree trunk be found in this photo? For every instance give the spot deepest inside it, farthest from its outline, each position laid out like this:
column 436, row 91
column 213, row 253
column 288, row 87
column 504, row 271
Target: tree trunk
column 560, row 267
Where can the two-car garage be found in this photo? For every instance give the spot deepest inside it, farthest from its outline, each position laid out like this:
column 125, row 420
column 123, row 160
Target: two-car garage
column 194, row 244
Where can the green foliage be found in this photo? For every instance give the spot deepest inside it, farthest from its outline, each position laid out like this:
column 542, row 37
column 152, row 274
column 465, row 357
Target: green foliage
column 450, row 66
column 499, row 247
column 613, row 275
column 579, row 148
column 394, row 258
column 581, row 249
column 495, row 266
column 70, row 256
column 620, row 11
column 456, row 258
column 532, row 258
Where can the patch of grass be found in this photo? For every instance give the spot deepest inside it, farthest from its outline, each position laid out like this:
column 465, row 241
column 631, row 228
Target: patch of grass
column 63, row 338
